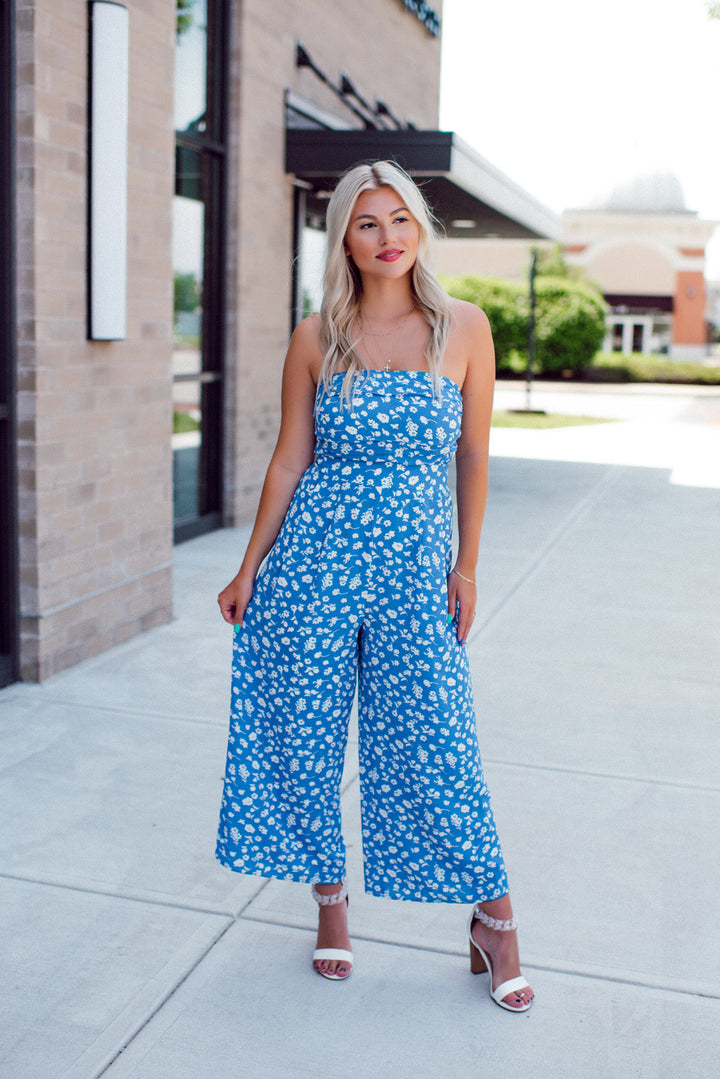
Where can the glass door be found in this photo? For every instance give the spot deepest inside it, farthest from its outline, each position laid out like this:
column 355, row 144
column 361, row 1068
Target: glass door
column 198, row 264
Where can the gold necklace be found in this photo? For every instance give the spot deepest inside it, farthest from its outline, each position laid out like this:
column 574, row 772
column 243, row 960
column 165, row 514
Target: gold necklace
column 387, row 364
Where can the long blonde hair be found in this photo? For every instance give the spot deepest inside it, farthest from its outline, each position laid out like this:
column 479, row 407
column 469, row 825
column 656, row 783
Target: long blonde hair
column 343, row 285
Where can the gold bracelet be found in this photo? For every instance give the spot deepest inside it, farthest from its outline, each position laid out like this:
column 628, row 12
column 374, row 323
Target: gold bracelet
column 458, row 574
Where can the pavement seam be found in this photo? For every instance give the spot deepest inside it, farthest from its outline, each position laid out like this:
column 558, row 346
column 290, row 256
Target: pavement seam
column 704, row 788
column 127, row 896
column 566, row 969
column 137, row 711
column 161, row 1002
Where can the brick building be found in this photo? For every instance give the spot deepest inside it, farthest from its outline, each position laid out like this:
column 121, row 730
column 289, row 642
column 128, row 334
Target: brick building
column 162, row 205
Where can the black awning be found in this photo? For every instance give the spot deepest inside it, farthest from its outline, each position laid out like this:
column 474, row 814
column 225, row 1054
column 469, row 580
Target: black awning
column 459, row 184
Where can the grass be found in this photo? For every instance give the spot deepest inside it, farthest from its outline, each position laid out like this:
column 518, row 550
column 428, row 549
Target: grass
column 542, row 421
column 617, row 367
column 186, row 340
column 182, row 423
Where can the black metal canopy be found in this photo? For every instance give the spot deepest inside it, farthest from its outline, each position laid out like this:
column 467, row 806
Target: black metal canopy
column 467, row 194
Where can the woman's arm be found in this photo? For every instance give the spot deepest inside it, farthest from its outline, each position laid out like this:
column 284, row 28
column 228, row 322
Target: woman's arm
column 292, row 455
column 472, row 458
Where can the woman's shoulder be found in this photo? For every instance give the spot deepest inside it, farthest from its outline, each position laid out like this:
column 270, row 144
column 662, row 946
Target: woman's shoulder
column 468, row 317
column 470, row 346
column 305, row 350
column 307, row 332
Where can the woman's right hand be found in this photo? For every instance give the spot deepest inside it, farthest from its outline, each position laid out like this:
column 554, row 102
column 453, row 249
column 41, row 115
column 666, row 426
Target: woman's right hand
column 234, row 598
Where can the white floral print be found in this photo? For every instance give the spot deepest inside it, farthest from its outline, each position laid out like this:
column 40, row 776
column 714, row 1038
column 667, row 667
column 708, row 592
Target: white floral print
column 354, row 593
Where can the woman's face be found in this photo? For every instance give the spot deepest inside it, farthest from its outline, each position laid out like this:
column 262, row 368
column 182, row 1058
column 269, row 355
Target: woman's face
column 382, row 237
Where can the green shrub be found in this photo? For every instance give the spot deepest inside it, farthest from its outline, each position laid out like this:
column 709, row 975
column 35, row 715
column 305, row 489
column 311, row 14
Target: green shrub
column 569, row 320
column 506, row 306
column 637, row 367
column 569, row 324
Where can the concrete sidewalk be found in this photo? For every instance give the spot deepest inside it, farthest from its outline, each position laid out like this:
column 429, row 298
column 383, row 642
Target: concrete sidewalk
column 128, row 952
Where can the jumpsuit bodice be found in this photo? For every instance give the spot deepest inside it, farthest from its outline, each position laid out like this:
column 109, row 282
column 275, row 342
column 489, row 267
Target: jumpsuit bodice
column 375, row 498
column 394, row 421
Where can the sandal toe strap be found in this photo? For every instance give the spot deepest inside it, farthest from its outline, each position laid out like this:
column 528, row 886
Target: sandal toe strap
column 509, row 987
column 332, row 953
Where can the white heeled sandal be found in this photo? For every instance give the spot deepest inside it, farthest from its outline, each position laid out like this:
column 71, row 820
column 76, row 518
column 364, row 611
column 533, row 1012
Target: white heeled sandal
column 480, row 961
column 333, row 954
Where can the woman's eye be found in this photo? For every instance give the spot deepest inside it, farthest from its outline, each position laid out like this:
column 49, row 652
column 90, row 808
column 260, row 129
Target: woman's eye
column 368, row 225
column 400, row 220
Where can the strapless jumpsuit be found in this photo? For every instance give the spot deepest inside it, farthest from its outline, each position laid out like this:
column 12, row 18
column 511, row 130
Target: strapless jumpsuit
column 353, row 595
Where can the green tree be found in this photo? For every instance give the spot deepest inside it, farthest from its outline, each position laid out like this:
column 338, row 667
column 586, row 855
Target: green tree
column 187, row 293
column 184, row 17
column 551, row 262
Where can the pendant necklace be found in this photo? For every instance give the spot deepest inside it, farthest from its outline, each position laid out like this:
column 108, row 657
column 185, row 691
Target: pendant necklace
column 387, row 364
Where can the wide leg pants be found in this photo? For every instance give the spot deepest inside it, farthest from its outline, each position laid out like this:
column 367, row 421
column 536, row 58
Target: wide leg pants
column 309, row 638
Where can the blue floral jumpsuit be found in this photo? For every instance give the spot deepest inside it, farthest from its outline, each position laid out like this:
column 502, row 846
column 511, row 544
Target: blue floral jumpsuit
column 354, row 591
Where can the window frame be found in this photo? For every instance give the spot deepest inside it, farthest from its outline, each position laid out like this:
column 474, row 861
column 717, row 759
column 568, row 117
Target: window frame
column 9, row 561
column 212, row 149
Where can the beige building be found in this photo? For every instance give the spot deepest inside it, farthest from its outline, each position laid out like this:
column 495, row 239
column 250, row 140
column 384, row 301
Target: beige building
column 648, row 251
column 644, row 248
column 163, row 204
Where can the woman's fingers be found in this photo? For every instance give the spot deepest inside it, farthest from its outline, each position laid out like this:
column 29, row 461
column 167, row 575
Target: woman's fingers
column 462, row 596
column 452, row 598
column 227, row 607
column 233, row 602
column 465, row 621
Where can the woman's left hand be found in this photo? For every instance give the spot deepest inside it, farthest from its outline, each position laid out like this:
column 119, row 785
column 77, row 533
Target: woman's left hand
column 461, row 592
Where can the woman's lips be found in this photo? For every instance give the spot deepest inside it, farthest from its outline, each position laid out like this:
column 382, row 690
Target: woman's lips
column 389, row 256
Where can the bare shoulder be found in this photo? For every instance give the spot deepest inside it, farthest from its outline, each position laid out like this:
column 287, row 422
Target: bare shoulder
column 468, row 318
column 308, row 330
column 470, row 348
column 306, row 335
column 304, row 351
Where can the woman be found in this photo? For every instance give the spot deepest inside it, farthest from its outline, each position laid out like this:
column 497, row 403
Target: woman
column 355, row 518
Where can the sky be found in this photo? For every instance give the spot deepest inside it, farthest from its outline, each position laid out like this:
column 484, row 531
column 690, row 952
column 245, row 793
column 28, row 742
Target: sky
column 570, row 97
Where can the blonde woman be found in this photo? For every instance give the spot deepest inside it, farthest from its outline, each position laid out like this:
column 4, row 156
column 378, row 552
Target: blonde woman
column 358, row 587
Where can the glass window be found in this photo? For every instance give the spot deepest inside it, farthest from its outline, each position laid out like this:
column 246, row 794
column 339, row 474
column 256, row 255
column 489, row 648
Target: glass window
column 191, row 55
column 198, row 264
column 188, row 264
column 617, row 337
column 312, row 266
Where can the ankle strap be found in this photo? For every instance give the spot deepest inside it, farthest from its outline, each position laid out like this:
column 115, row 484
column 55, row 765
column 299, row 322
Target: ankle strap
column 495, row 923
column 331, row 899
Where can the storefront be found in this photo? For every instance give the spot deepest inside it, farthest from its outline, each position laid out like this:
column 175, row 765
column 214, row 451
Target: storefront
column 240, row 118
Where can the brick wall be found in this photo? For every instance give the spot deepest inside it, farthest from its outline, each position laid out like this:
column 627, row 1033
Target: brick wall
column 95, row 468
column 95, row 497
